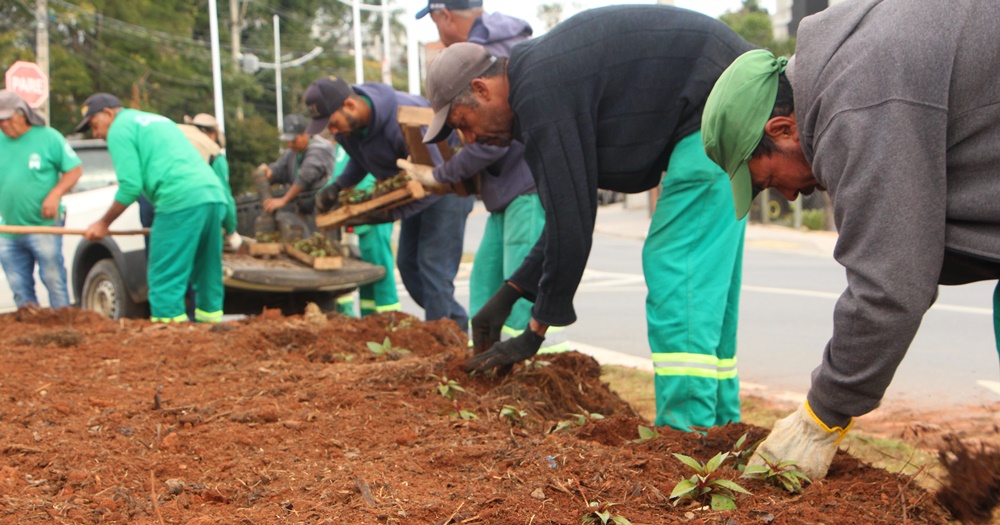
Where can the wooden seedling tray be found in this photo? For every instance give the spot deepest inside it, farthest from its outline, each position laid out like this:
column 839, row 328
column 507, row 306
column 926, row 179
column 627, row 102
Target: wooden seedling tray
column 394, row 199
column 329, row 262
column 264, row 248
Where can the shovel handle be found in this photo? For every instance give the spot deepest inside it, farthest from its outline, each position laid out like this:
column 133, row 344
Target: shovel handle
column 57, row 230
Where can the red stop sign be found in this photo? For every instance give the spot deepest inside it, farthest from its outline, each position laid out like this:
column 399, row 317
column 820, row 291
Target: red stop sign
column 28, row 80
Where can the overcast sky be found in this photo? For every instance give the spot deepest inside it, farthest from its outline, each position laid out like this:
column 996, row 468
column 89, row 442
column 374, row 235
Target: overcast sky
column 528, row 9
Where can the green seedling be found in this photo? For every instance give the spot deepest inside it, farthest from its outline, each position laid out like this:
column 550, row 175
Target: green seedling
column 742, row 452
column 645, row 434
column 386, row 349
column 784, row 474
column 577, row 420
column 449, row 388
column 600, row 513
column 512, row 414
column 705, row 486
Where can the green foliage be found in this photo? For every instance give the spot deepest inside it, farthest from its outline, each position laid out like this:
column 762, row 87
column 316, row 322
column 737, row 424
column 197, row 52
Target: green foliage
column 512, row 414
column 705, row 486
column 249, row 144
column 741, row 452
column 386, row 349
column 814, row 219
column 448, row 388
column 577, row 420
column 598, row 513
column 645, row 434
column 782, row 474
column 753, row 23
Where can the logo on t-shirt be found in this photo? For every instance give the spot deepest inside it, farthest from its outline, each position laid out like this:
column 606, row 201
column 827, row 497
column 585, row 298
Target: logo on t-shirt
column 35, row 162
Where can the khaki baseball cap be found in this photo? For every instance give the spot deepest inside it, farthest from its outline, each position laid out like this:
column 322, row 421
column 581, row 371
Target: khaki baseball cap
column 447, row 77
column 736, row 112
column 10, row 102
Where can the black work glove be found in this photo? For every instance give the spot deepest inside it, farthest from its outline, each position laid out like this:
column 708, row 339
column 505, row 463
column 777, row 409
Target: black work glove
column 488, row 322
column 372, row 217
column 505, row 354
column 326, row 198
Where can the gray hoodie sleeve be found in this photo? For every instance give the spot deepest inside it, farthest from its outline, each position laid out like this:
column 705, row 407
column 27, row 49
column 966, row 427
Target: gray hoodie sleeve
column 888, row 184
column 317, row 165
column 281, row 169
column 469, row 160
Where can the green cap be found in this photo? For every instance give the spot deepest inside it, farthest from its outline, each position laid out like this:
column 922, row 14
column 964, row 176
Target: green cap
column 735, row 115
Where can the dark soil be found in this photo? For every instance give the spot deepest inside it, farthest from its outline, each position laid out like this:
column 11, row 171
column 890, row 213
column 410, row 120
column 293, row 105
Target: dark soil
column 293, row 419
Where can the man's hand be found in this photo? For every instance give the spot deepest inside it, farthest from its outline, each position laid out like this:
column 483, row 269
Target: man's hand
column 50, row 207
column 489, row 321
column 326, row 198
column 420, row 173
column 266, row 170
column 273, row 204
column 803, row 438
column 96, row 231
column 504, row 355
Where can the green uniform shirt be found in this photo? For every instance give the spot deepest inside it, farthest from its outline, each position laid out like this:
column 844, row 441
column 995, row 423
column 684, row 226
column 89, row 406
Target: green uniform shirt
column 30, row 166
column 221, row 168
column 153, row 157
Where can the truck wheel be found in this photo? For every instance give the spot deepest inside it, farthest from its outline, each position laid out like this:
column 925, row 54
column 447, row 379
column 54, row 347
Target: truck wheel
column 104, row 292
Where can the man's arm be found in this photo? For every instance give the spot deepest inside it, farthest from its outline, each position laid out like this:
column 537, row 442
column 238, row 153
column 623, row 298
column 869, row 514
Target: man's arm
column 471, row 159
column 317, row 164
column 352, row 174
column 885, row 169
column 99, row 229
column 275, row 203
column 50, row 206
column 277, row 171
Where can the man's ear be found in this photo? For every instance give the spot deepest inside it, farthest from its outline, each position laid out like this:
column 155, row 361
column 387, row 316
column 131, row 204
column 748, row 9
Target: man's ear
column 781, row 128
column 481, row 88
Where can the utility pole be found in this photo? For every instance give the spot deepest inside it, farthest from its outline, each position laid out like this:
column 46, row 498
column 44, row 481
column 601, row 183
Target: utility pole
column 277, row 72
column 359, row 68
column 235, row 34
column 386, row 61
column 42, row 46
column 213, row 23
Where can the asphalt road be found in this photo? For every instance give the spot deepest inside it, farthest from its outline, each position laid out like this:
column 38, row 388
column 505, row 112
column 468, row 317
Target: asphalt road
column 790, row 286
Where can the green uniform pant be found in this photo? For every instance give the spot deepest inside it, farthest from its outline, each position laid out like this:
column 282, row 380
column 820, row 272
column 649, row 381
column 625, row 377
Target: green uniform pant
column 186, row 247
column 375, row 243
column 509, row 236
column 692, row 262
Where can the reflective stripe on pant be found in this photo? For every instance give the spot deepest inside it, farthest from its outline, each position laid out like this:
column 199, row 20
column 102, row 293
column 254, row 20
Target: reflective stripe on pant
column 692, row 262
column 996, row 315
column 375, row 244
column 507, row 239
column 186, row 246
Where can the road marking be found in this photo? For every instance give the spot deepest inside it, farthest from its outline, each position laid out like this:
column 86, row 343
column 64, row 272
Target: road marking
column 835, row 296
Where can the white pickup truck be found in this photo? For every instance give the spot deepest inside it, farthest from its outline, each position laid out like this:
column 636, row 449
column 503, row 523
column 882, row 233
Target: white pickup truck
column 109, row 276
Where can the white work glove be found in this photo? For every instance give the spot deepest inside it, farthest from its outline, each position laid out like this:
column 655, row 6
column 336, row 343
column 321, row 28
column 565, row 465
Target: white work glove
column 420, row 173
column 803, row 438
column 234, row 241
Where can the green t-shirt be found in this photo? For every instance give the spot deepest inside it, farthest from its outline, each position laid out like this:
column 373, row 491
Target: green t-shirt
column 153, row 157
column 221, row 168
column 30, row 166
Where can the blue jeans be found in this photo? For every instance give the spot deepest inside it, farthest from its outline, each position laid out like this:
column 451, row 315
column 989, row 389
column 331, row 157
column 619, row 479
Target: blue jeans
column 430, row 250
column 20, row 253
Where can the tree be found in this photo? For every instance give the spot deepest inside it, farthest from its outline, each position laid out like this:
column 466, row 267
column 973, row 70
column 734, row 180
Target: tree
column 753, row 23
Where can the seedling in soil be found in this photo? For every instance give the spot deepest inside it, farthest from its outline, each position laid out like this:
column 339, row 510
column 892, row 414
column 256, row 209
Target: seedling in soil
column 577, row 420
column 600, row 513
column 645, row 434
column 741, row 452
column 449, row 388
column 778, row 473
column 512, row 414
column 386, row 349
column 705, row 486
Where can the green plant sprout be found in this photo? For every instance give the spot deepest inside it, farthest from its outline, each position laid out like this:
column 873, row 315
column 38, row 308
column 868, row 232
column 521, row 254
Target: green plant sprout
column 600, row 513
column 645, row 434
column 386, row 349
column 778, row 473
column 512, row 414
column 576, row 420
column 449, row 388
column 741, row 452
column 705, row 485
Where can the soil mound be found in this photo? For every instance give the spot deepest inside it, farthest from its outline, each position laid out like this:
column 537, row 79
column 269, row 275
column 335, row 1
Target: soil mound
column 317, row 419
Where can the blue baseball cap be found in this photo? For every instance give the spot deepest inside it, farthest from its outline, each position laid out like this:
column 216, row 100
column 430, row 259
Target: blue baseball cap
column 433, row 5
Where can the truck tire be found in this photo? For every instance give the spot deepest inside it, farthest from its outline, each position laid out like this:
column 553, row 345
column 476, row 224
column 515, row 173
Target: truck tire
column 104, row 292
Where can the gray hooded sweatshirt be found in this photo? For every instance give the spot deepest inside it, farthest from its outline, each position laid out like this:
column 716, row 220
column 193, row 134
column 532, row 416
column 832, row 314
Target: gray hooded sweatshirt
column 898, row 107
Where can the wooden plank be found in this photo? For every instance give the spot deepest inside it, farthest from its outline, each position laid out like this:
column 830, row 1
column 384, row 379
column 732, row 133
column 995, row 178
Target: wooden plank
column 334, row 219
column 411, row 120
column 264, row 248
column 59, row 230
column 329, row 262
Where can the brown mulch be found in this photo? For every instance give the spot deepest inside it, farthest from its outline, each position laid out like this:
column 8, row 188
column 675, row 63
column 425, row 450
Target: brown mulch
column 293, row 419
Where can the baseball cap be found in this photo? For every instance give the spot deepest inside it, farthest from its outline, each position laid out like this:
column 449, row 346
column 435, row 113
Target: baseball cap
column 448, row 4
column 323, row 97
column 202, row 120
column 293, row 126
column 10, row 102
column 447, row 76
column 736, row 112
column 93, row 105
